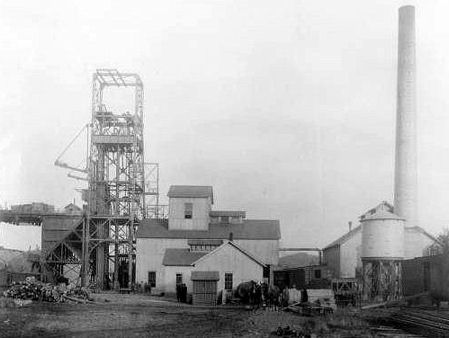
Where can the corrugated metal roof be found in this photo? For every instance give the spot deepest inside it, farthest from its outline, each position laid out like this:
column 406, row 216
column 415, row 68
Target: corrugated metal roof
column 195, row 191
column 344, row 238
column 181, row 257
column 217, row 213
column 249, row 229
column 205, row 275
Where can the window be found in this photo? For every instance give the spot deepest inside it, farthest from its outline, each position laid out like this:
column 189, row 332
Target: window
column 266, row 271
column 228, row 281
column 317, row 274
column 224, row 219
column 178, row 278
column 188, row 210
column 152, row 278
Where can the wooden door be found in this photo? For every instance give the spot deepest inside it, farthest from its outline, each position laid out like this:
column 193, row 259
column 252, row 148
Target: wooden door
column 204, row 292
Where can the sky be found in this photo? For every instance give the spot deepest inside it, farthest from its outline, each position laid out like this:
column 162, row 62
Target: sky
column 287, row 108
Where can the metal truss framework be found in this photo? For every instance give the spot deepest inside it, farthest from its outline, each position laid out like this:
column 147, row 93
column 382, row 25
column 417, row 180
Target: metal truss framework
column 116, row 183
column 65, row 257
column 122, row 190
column 382, row 280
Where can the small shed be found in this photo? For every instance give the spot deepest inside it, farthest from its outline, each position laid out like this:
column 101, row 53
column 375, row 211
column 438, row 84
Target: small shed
column 204, row 287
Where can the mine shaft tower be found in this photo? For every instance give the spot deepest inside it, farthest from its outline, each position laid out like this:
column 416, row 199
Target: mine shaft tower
column 116, row 183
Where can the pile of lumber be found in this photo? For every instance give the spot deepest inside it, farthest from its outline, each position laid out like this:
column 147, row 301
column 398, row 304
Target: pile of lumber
column 31, row 289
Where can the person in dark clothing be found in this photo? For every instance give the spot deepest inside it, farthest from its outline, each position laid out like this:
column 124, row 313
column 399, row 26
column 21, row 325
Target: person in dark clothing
column 147, row 288
column 304, row 296
column 178, row 292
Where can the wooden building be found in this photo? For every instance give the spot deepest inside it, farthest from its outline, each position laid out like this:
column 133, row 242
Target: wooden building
column 196, row 239
column 426, row 274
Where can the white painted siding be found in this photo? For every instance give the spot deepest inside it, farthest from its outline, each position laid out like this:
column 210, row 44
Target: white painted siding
column 350, row 256
column 265, row 250
column 199, row 220
column 230, row 259
column 415, row 243
column 150, row 253
column 170, row 277
column 226, row 260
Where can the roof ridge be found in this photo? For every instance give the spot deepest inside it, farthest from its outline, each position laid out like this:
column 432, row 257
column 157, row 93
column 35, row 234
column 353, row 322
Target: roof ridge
column 246, row 253
column 343, row 237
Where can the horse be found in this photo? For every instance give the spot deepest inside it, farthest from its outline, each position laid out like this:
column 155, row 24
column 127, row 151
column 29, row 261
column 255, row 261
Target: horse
column 271, row 296
column 249, row 293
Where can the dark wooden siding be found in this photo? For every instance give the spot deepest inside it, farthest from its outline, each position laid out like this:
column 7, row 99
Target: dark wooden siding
column 424, row 274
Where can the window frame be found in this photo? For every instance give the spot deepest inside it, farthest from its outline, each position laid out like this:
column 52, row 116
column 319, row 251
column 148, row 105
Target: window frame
column 227, row 282
column 178, row 275
column 151, row 281
column 188, row 210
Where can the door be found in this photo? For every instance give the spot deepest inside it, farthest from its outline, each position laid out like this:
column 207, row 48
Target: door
column 204, row 292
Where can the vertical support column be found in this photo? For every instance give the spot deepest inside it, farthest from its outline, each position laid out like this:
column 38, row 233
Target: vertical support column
column 100, row 256
column 116, row 256
column 130, row 252
column 84, row 253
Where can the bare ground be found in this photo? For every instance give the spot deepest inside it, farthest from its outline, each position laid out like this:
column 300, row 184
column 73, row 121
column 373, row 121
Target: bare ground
column 140, row 316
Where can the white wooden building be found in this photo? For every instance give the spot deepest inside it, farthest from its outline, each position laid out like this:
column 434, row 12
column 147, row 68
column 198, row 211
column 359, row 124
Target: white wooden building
column 197, row 241
column 343, row 256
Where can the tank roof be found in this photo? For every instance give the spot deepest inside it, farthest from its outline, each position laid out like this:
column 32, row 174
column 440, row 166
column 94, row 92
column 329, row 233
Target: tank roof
column 382, row 214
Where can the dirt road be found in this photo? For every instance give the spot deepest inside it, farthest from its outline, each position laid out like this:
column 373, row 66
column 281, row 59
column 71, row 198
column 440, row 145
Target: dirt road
column 134, row 316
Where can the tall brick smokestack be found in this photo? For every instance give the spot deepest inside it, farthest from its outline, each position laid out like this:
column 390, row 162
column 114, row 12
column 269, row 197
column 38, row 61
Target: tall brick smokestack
column 405, row 190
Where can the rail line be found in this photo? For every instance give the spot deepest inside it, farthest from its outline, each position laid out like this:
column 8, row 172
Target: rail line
column 430, row 322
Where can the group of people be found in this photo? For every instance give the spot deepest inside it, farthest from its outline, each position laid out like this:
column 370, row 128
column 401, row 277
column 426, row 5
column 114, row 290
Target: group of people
column 141, row 287
column 263, row 294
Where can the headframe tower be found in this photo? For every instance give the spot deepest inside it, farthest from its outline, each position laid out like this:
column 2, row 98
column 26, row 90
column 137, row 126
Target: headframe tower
column 117, row 186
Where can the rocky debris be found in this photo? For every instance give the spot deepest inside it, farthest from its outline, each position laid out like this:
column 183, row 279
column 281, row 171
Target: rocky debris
column 31, row 289
column 285, row 332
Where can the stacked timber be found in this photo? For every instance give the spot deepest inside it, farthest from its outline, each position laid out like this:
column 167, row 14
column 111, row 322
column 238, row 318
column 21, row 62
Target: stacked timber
column 30, row 289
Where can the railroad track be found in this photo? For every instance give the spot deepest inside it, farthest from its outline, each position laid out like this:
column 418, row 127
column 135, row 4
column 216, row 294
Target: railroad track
column 431, row 323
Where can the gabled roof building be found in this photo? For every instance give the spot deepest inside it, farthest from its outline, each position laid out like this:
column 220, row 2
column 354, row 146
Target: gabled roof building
column 197, row 241
column 343, row 256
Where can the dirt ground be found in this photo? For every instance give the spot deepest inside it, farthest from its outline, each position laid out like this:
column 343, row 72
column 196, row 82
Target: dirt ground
column 141, row 316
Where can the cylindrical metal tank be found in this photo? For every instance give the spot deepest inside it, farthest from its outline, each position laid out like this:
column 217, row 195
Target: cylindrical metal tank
column 383, row 236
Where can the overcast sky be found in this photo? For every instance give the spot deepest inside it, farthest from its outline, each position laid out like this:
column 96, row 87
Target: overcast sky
column 287, row 108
